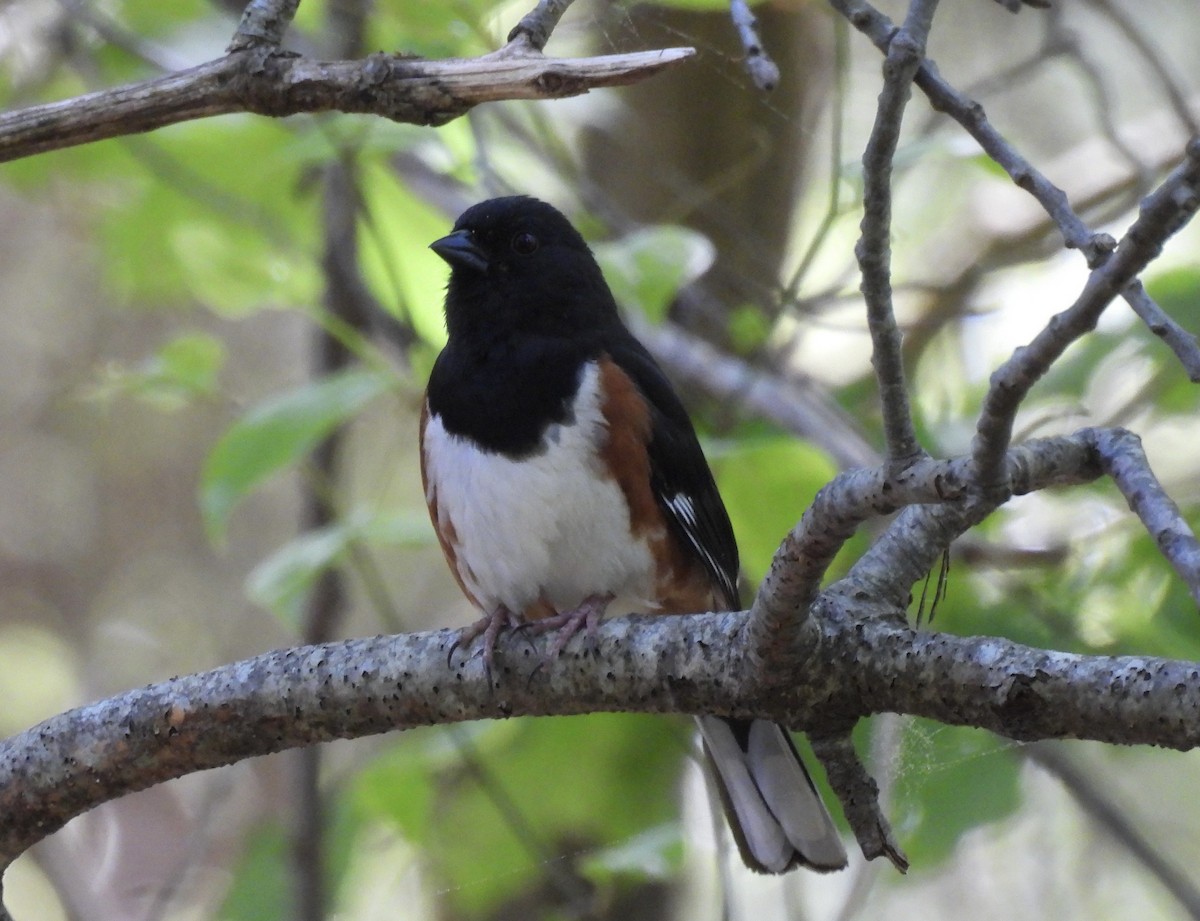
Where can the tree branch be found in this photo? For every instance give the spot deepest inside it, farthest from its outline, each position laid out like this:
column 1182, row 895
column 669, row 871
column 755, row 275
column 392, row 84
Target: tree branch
column 941, row 501
column 858, row 664
column 762, row 70
column 1096, row 247
column 267, row 81
column 1124, row 460
column 905, row 52
column 1161, row 324
column 263, row 23
column 859, row 796
column 803, row 411
column 1163, row 213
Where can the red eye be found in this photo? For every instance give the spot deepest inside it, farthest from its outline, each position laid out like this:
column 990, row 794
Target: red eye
column 523, row 244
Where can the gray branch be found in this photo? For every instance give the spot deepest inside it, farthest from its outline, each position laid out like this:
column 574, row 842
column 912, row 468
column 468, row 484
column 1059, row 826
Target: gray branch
column 1095, row 247
column 1163, row 213
column 857, row 663
column 859, row 796
column 536, row 25
column 905, row 52
column 1125, row 462
column 1161, row 324
column 759, row 65
column 267, row 81
column 263, row 23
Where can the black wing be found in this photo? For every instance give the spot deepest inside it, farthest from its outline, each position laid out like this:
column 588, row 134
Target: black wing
column 679, row 475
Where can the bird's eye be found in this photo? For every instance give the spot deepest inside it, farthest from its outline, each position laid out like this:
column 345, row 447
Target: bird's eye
column 523, row 244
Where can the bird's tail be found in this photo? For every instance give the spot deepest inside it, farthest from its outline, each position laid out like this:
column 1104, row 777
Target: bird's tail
column 774, row 811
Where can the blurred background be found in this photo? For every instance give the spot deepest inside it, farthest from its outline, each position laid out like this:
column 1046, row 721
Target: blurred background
column 213, row 343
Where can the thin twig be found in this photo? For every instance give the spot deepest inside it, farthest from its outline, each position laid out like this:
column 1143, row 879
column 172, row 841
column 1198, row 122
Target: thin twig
column 1103, row 106
column 968, row 113
column 859, row 796
column 536, row 25
column 803, row 411
column 1162, row 214
column 263, row 24
column 1179, row 340
column 1123, row 459
column 759, row 65
column 574, row 891
column 1153, row 59
column 905, row 52
column 833, row 208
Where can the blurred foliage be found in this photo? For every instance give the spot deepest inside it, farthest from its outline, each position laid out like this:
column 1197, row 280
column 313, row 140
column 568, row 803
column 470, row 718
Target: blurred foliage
column 224, row 215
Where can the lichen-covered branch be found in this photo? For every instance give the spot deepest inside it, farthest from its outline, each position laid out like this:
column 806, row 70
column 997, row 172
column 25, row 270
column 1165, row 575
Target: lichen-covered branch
column 859, row 664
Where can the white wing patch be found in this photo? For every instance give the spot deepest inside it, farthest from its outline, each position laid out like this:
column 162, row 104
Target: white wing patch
column 684, row 510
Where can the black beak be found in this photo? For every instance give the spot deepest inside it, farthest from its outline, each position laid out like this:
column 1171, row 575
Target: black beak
column 460, row 250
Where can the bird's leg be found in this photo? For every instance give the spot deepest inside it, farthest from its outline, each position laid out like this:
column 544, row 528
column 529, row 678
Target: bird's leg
column 586, row 617
column 489, row 626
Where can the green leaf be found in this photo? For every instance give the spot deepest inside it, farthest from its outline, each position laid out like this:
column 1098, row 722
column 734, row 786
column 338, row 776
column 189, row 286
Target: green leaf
column 648, row 267
column 185, row 220
column 275, row 434
column 1177, row 291
column 182, row 370
column 260, row 885
column 282, row 581
column 403, row 273
column 612, row 776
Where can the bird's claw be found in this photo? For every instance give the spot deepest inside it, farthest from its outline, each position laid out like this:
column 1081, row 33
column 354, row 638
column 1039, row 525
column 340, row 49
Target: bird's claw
column 586, row 617
column 490, row 627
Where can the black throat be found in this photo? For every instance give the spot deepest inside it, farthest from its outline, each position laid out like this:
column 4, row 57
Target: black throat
column 505, row 394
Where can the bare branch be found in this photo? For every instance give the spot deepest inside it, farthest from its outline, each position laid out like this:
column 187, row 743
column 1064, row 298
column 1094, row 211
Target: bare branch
column 1161, row 324
column 1095, row 247
column 762, row 70
column 1154, row 60
column 857, row 664
column 806, row 412
column 270, row 82
column 859, row 796
column 536, row 25
column 905, row 52
column 263, row 24
column 908, row 548
column 1163, row 213
column 1124, row 460
column 912, row 543
column 968, row 113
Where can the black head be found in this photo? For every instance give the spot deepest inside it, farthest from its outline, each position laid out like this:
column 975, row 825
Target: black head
column 516, row 263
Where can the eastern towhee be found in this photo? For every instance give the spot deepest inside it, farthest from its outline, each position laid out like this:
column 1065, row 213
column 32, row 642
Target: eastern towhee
column 565, row 481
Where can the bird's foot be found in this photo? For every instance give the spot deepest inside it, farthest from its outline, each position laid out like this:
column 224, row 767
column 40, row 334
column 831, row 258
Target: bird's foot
column 489, row 626
column 586, row 617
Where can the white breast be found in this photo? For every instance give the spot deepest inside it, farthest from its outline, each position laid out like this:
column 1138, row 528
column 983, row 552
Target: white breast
column 552, row 526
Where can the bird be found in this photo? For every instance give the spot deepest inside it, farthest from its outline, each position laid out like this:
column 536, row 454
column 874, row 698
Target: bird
column 566, row 483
